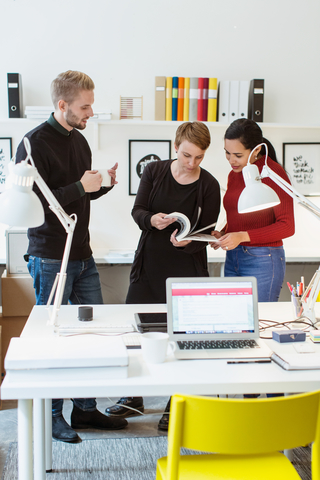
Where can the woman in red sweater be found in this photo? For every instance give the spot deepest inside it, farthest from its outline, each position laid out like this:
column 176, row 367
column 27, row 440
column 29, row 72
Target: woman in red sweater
column 253, row 241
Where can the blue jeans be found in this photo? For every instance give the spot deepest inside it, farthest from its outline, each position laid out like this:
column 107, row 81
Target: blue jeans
column 82, row 287
column 267, row 264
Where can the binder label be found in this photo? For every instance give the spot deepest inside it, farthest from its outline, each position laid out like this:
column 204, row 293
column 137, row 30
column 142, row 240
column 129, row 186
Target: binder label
column 212, row 93
column 258, row 90
column 174, row 93
column 193, row 93
column 12, row 85
column 160, row 89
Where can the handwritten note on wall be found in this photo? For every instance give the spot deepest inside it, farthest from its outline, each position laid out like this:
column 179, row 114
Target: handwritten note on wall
column 302, row 171
column 5, row 156
column 302, row 163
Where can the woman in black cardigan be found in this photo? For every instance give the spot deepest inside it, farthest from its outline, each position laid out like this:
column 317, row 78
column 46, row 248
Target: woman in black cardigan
column 179, row 185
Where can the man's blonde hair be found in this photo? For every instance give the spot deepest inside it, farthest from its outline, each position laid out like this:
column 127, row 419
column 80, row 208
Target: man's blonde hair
column 194, row 132
column 67, row 86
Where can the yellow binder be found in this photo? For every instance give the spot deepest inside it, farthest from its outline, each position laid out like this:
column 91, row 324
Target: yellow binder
column 212, row 100
column 186, row 99
column 169, row 99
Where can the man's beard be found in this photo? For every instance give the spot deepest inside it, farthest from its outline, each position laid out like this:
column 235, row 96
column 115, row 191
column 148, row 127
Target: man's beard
column 73, row 121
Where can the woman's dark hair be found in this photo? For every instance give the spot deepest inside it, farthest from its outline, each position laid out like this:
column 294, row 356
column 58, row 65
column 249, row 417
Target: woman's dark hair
column 250, row 135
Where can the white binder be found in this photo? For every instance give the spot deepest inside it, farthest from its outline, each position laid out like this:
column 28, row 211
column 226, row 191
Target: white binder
column 243, row 98
column 224, row 87
column 234, row 100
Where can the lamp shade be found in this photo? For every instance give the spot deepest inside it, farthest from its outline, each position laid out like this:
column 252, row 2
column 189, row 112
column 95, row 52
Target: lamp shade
column 256, row 195
column 19, row 205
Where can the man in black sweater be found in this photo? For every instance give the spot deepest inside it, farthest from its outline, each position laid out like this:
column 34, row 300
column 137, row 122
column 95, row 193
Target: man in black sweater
column 63, row 158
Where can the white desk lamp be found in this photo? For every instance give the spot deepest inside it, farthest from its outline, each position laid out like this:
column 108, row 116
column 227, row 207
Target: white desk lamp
column 258, row 196
column 20, row 206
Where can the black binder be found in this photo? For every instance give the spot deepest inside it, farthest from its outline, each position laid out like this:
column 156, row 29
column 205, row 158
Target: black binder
column 256, row 94
column 15, row 106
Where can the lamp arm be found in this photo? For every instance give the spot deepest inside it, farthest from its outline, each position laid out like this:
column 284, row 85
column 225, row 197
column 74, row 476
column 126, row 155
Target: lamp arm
column 290, row 190
column 69, row 224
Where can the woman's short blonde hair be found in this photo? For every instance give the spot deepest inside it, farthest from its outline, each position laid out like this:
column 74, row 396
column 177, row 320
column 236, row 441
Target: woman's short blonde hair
column 67, row 86
column 194, row 132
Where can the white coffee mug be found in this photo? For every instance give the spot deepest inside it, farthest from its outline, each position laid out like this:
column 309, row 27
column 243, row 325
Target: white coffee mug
column 155, row 346
column 106, row 179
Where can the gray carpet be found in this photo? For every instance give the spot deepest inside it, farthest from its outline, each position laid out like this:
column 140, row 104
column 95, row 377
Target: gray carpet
column 117, row 459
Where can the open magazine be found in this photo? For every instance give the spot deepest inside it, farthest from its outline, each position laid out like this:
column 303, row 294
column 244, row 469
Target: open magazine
column 187, row 233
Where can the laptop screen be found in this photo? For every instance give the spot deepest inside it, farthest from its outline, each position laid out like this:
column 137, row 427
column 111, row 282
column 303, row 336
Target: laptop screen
column 219, row 306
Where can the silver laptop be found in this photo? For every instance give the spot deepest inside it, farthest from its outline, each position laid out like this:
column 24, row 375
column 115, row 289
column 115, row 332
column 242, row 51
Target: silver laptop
column 214, row 317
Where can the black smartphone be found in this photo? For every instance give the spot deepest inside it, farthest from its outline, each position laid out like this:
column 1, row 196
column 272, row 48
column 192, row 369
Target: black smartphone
column 151, row 322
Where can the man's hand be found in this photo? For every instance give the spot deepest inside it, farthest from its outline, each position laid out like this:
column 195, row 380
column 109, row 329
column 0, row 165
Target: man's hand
column 160, row 222
column 112, row 172
column 91, row 181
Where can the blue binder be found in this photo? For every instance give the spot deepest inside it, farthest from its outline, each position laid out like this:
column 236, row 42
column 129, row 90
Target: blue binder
column 175, row 97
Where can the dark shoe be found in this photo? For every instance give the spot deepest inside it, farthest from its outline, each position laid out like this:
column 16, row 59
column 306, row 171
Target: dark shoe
column 164, row 420
column 82, row 419
column 120, row 410
column 62, row 431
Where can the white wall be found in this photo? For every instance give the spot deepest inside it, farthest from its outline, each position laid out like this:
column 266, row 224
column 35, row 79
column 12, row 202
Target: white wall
column 124, row 44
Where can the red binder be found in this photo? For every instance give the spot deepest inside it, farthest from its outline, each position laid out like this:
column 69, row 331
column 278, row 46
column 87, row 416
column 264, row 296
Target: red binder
column 180, row 98
column 205, row 99
column 200, row 99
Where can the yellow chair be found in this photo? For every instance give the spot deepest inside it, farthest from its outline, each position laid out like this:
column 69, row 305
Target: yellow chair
column 247, row 436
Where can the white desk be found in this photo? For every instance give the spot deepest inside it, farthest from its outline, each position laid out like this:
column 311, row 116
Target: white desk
column 193, row 377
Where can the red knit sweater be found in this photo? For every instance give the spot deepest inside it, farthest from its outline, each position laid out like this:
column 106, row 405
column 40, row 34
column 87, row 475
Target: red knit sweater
column 265, row 227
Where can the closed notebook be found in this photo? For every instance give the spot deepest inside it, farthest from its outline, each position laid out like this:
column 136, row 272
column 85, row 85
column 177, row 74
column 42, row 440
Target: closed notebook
column 180, row 99
column 85, row 351
column 175, row 82
column 200, row 99
column 169, row 99
column 297, row 361
column 212, row 100
column 186, row 99
column 193, row 99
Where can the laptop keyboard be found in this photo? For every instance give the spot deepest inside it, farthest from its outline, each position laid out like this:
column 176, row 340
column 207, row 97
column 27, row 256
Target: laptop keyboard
column 216, row 344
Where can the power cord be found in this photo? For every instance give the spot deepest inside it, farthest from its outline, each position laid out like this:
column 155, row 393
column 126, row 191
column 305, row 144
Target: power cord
column 267, row 324
column 138, row 411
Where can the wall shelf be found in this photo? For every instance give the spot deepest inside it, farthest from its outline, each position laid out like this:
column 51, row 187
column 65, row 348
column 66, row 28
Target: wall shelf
column 157, row 123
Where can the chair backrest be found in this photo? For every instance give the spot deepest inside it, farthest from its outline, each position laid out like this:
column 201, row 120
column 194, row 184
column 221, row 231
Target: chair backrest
column 241, row 426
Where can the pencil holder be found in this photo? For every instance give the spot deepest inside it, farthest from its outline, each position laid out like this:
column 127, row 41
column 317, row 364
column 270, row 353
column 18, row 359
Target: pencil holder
column 296, row 305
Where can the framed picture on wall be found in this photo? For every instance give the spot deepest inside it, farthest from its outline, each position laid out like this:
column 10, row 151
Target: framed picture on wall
column 5, row 157
column 302, row 163
column 141, row 153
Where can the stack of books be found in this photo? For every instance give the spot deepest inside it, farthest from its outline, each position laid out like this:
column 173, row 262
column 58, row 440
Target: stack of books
column 106, row 115
column 38, row 113
column 43, row 113
column 199, row 98
column 186, row 99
